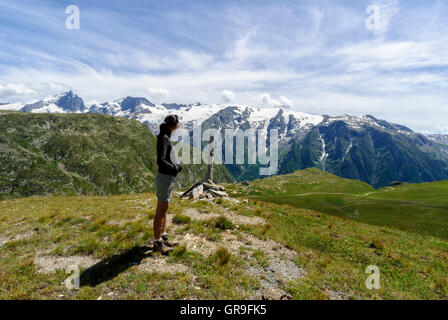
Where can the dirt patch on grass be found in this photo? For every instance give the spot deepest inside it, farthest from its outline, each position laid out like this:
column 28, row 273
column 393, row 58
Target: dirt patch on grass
column 274, row 277
column 3, row 241
column 234, row 243
column 239, row 219
column 230, row 215
column 159, row 265
column 49, row 264
column 271, row 248
column 199, row 216
column 20, row 236
column 123, row 221
column 286, row 270
column 199, row 244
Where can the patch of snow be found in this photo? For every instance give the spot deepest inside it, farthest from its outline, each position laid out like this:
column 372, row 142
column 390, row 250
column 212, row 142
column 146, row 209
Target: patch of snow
column 50, row 108
column 324, row 154
column 11, row 106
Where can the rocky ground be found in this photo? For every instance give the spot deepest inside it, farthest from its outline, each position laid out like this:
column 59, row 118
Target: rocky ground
column 207, row 227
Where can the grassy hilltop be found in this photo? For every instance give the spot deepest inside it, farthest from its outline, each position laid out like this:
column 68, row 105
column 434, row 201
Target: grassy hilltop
column 230, row 249
column 420, row 208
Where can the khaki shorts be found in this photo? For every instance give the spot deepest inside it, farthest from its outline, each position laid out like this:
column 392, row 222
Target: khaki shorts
column 164, row 186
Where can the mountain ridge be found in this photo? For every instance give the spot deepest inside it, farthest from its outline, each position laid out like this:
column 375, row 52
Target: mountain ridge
column 358, row 147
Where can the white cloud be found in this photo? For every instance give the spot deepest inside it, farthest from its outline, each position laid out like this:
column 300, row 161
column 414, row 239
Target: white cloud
column 266, row 98
column 10, row 90
column 228, row 95
column 283, row 101
column 158, row 92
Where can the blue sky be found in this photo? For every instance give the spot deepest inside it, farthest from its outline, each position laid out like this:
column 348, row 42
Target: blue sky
column 317, row 56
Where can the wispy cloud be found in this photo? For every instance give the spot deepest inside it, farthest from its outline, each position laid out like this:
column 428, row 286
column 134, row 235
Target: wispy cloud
column 318, row 54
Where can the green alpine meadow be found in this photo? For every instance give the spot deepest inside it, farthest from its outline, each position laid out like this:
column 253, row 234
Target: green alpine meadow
column 78, row 190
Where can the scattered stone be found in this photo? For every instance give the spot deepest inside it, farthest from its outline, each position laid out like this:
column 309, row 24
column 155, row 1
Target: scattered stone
column 336, row 295
column 245, row 201
column 217, row 193
column 204, row 190
column 336, row 236
column 246, row 183
column 275, row 294
column 209, row 185
column 286, row 270
column 197, row 192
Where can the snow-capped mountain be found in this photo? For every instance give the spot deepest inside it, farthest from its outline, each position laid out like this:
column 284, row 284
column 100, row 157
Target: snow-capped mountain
column 367, row 149
column 288, row 123
column 217, row 116
column 151, row 114
column 62, row 103
column 358, row 147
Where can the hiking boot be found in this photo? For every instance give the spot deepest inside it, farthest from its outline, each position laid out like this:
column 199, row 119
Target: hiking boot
column 167, row 242
column 159, row 246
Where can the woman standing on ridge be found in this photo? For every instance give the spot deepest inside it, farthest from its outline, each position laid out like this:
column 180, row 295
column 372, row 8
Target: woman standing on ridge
column 166, row 175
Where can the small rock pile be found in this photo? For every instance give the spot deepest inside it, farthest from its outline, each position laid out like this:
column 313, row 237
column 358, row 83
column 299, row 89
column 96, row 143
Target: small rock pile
column 204, row 190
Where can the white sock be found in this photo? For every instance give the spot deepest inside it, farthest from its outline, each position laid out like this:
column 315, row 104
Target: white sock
column 164, row 234
column 157, row 240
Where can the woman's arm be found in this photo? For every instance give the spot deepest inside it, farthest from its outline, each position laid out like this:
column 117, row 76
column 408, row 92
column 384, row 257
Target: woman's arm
column 162, row 147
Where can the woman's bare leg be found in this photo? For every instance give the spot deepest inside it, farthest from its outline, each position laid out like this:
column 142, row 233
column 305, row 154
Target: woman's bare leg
column 160, row 219
column 164, row 221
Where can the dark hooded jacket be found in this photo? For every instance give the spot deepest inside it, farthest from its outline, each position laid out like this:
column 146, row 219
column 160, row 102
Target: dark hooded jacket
column 166, row 164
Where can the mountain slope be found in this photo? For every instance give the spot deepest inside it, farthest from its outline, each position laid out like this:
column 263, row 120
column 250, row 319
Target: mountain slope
column 369, row 150
column 441, row 140
column 80, row 153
